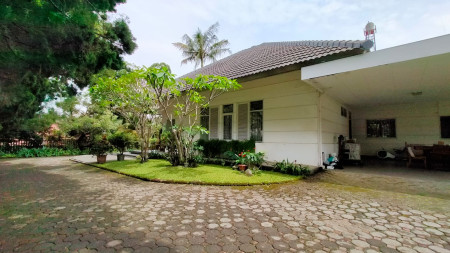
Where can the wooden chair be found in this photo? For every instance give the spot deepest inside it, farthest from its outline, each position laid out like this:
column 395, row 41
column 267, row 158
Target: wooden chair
column 412, row 157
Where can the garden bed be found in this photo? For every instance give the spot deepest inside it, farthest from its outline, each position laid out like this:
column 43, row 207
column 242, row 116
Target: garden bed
column 161, row 171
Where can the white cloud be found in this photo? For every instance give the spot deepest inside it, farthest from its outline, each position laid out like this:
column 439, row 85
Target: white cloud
column 157, row 24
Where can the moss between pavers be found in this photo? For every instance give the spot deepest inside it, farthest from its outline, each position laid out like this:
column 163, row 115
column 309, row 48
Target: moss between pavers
column 162, row 171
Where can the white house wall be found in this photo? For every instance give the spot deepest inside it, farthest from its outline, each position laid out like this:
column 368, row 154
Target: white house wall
column 290, row 116
column 332, row 124
column 417, row 123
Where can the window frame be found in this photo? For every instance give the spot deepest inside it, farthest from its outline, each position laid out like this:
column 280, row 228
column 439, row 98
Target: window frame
column 380, row 133
column 231, row 115
column 250, row 119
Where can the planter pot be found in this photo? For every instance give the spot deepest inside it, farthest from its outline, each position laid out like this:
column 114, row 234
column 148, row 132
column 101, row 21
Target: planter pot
column 120, row 157
column 242, row 167
column 101, row 158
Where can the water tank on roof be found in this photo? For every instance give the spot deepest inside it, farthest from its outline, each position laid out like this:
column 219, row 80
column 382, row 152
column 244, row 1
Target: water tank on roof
column 369, row 33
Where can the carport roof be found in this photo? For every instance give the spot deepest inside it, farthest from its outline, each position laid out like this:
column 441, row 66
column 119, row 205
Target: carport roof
column 409, row 73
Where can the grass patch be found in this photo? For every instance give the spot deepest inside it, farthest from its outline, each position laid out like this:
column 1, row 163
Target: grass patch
column 161, row 170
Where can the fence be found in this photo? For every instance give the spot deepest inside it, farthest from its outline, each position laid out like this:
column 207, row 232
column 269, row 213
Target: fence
column 15, row 144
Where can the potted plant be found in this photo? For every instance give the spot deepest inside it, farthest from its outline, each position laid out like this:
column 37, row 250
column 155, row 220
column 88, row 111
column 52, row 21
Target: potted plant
column 100, row 147
column 242, row 161
column 254, row 160
column 121, row 141
column 249, row 160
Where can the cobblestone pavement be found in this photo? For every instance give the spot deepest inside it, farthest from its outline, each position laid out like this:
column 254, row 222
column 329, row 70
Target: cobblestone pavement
column 52, row 204
column 432, row 183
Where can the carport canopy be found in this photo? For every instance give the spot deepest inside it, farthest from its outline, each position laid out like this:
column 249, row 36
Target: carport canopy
column 415, row 72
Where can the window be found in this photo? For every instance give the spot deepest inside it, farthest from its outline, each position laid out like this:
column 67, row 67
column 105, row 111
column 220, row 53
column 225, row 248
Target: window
column 228, row 108
column 204, row 122
column 256, row 120
column 381, row 128
column 445, row 127
column 227, row 121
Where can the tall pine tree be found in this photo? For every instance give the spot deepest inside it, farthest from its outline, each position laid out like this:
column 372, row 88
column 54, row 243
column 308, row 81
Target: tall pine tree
column 47, row 45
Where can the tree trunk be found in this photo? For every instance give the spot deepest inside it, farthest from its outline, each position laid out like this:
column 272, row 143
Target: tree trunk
column 179, row 144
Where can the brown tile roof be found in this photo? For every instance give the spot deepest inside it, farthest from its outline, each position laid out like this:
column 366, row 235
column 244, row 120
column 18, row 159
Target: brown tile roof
column 273, row 55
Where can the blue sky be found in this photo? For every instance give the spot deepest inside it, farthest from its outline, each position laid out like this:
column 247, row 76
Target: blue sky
column 157, row 24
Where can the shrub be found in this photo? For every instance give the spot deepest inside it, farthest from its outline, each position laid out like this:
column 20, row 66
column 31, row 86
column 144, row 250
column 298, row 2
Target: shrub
column 122, row 140
column 218, row 148
column 100, row 146
column 291, row 168
column 42, row 152
column 156, row 155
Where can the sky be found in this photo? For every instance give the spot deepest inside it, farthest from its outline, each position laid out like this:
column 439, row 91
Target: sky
column 246, row 23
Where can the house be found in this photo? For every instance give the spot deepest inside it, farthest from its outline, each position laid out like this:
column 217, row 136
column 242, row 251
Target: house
column 298, row 97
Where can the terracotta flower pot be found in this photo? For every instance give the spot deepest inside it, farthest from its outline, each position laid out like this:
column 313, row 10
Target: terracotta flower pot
column 101, row 158
column 242, row 167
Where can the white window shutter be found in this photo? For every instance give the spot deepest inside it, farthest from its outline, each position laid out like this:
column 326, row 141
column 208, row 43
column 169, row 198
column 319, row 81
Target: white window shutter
column 214, row 123
column 243, row 122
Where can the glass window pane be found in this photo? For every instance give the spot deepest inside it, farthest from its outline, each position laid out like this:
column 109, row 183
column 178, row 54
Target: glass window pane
column 445, row 127
column 204, row 111
column 204, row 122
column 227, row 127
column 256, row 125
column 381, row 128
column 228, row 108
column 256, row 105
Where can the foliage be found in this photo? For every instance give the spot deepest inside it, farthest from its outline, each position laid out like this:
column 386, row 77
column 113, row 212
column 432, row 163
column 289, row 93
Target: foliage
column 251, row 159
column 100, row 146
column 85, row 128
column 181, row 103
column 50, row 45
column 126, row 93
column 241, row 158
column 221, row 148
column 41, row 122
column 168, row 143
column 159, row 65
column 140, row 95
column 161, row 170
column 68, row 106
column 157, row 155
column 42, row 152
column 291, row 168
column 122, row 140
column 202, row 46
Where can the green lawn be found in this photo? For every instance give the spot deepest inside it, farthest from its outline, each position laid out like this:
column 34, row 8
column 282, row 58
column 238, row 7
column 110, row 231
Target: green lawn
column 161, row 170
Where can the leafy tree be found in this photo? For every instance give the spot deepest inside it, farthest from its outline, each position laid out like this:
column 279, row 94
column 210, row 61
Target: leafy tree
column 160, row 65
column 41, row 122
column 48, row 45
column 69, row 106
column 202, row 47
column 127, row 94
column 181, row 102
column 122, row 139
column 93, row 125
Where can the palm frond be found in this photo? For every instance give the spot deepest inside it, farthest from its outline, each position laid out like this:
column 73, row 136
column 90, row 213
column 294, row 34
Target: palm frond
column 202, row 46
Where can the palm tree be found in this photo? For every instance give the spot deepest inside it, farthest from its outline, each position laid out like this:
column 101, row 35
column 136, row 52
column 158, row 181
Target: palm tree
column 202, row 46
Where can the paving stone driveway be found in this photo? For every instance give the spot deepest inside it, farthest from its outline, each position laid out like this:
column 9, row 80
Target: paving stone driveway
column 52, row 204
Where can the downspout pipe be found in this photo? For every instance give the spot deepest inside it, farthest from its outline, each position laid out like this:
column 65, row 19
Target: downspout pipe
column 319, row 130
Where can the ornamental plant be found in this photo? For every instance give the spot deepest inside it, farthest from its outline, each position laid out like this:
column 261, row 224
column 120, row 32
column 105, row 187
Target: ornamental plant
column 251, row 159
column 287, row 167
column 241, row 158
